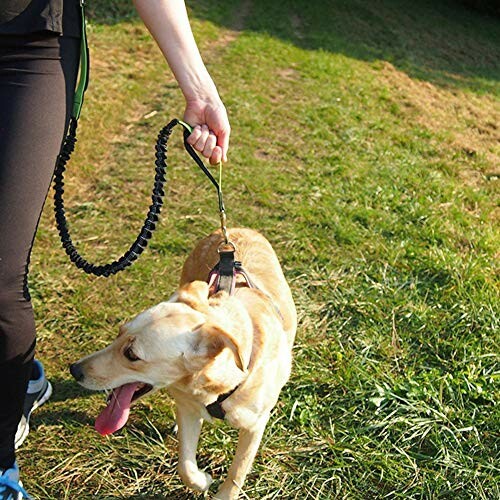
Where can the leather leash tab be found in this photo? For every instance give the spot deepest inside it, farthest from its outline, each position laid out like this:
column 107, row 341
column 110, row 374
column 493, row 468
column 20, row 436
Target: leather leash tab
column 226, row 268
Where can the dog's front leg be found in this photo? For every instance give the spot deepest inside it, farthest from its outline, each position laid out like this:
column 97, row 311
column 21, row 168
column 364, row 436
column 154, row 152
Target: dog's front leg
column 189, row 425
column 248, row 444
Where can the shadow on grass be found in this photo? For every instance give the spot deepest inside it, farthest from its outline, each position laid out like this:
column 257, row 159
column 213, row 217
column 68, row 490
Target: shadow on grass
column 441, row 42
column 179, row 494
column 51, row 416
column 65, row 389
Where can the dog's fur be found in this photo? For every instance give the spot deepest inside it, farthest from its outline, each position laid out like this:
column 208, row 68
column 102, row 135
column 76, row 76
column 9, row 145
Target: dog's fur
column 199, row 347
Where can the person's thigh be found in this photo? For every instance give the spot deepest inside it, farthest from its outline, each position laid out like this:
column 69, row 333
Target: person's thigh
column 36, row 87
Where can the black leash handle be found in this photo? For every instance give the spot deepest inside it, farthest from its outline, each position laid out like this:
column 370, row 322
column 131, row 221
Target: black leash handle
column 204, row 169
column 152, row 216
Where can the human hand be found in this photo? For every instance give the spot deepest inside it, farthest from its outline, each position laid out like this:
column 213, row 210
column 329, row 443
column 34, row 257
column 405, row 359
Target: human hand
column 211, row 128
column 168, row 22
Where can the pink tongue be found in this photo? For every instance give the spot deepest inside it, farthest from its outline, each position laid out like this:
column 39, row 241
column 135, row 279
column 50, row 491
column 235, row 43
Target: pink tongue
column 116, row 413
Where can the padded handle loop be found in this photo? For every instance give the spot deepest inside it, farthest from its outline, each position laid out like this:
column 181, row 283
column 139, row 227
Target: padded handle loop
column 83, row 81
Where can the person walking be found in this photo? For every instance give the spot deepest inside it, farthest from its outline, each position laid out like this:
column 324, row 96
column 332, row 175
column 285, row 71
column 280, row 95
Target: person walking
column 39, row 60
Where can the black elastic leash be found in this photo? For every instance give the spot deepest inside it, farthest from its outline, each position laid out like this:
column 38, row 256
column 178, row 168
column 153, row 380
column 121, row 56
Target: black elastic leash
column 153, row 214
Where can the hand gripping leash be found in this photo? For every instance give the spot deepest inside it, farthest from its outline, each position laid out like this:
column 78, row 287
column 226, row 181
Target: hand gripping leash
column 152, row 216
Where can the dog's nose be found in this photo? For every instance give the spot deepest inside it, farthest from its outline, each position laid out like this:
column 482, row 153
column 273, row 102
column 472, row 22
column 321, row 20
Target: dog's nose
column 77, row 372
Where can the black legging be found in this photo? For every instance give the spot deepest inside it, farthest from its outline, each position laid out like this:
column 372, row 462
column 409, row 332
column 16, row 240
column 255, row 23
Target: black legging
column 37, row 81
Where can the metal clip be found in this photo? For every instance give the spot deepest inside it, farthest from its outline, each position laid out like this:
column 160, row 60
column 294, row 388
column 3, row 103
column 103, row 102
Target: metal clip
column 226, row 247
column 223, row 226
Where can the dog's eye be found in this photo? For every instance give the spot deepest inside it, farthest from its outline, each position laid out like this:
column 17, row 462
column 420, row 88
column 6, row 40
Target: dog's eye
column 130, row 355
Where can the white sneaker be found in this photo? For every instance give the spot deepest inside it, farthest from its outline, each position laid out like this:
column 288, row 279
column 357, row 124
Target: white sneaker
column 39, row 391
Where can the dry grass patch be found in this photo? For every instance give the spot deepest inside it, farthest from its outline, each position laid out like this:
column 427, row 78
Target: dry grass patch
column 471, row 120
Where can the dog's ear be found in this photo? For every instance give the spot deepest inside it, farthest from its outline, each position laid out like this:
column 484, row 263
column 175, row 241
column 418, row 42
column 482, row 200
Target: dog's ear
column 195, row 295
column 214, row 339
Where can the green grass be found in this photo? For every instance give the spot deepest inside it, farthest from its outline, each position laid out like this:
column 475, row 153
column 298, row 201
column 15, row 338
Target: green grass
column 365, row 146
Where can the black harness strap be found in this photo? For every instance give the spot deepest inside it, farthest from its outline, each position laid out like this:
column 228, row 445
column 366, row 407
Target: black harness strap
column 215, row 409
column 226, row 269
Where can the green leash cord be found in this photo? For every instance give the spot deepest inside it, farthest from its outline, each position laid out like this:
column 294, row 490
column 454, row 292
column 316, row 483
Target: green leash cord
column 152, row 217
column 83, row 81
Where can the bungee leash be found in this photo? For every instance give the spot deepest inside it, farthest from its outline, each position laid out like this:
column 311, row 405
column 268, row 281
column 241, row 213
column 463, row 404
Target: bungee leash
column 152, row 217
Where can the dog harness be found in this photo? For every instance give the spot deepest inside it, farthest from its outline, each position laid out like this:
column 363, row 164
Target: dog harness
column 224, row 275
column 223, row 278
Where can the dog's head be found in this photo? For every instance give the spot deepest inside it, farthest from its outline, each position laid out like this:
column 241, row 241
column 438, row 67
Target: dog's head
column 158, row 348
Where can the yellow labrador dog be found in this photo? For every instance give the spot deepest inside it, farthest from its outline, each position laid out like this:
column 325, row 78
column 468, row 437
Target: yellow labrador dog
column 218, row 354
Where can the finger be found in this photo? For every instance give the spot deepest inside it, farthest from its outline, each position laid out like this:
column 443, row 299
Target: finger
column 209, row 145
column 223, row 142
column 200, row 143
column 216, row 155
column 194, row 136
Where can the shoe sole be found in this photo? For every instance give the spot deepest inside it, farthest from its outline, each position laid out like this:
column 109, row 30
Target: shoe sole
column 36, row 404
column 20, row 496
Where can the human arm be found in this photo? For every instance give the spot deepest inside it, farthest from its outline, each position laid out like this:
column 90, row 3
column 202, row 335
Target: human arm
column 168, row 22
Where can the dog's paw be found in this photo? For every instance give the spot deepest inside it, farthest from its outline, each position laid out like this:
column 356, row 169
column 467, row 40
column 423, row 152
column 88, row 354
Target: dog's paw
column 195, row 478
column 201, row 481
column 228, row 491
column 220, row 495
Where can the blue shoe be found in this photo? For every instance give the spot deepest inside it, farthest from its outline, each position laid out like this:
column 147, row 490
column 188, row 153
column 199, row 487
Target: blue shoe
column 39, row 391
column 10, row 486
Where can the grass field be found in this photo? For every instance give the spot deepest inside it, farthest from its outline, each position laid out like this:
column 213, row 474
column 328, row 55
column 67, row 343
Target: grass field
column 366, row 147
